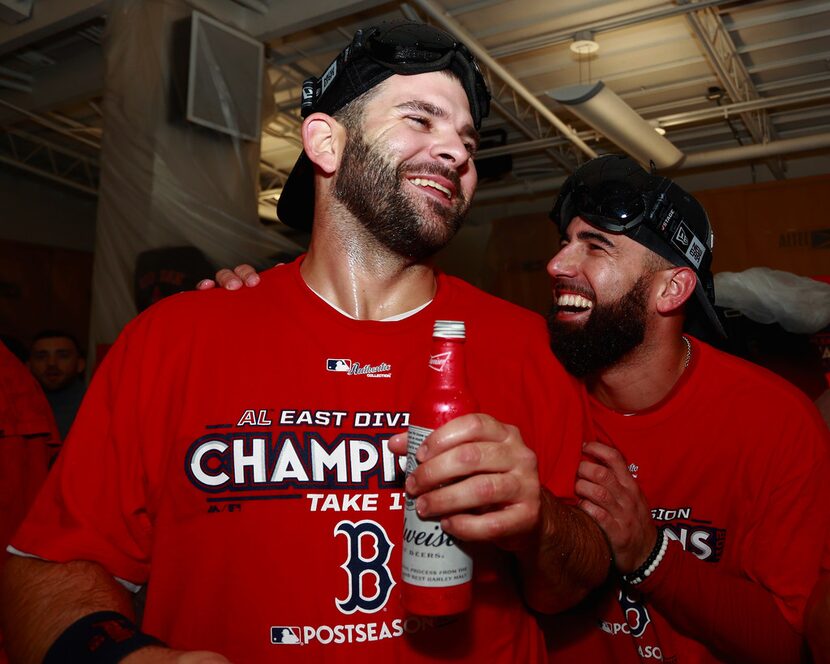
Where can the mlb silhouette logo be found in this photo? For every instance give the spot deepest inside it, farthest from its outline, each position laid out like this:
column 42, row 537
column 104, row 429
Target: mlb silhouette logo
column 283, row 635
column 338, row 365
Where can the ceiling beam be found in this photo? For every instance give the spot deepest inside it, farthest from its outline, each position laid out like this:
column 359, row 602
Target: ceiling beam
column 517, row 89
column 74, row 79
column 724, row 57
column 283, row 17
column 612, row 23
column 48, row 18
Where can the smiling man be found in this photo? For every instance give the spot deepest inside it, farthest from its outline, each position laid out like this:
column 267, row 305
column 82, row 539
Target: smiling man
column 714, row 495
column 238, row 449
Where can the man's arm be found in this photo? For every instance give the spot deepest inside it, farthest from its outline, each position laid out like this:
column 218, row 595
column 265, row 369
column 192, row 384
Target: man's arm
column 568, row 560
column 479, row 477
column 40, row 600
column 733, row 616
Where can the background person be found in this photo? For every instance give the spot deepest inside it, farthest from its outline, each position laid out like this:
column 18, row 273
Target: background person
column 261, row 491
column 58, row 363
column 28, row 441
column 715, row 499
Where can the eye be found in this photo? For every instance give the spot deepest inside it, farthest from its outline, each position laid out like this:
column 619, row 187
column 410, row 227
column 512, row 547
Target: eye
column 472, row 148
column 419, row 120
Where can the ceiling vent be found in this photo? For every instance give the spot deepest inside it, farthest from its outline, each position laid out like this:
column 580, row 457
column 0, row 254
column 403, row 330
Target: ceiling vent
column 14, row 11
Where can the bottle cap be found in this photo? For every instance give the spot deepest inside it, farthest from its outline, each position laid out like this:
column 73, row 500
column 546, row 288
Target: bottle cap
column 449, row 329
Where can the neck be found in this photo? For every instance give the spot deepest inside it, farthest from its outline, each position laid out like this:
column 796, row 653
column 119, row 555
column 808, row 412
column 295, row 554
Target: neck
column 349, row 269
column 644, row 377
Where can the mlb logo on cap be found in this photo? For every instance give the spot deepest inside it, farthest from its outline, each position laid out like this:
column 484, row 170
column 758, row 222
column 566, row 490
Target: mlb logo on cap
column 338, row 364
column 283, row 635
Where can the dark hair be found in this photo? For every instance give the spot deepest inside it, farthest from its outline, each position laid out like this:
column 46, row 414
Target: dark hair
column 63, row 334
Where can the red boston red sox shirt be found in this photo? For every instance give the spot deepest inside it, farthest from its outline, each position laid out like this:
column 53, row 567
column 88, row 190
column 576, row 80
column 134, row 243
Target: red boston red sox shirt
column 232, row 454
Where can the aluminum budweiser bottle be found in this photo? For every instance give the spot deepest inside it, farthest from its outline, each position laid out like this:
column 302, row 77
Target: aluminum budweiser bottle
column 437, row 573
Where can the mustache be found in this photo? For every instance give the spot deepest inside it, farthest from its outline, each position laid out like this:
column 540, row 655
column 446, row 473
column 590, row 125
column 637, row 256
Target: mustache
column 561, row 286
column 432, row 168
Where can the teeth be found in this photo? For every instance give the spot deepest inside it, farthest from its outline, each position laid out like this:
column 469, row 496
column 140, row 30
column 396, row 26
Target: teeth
column 423, row 182
column 570, row 300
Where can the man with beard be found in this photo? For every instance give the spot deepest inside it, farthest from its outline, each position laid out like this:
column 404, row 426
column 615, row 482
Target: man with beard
column 714, row 495
column 239, row 449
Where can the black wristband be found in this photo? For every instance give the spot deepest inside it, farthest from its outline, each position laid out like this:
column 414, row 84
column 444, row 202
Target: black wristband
column 105, row 637
column 649, row 564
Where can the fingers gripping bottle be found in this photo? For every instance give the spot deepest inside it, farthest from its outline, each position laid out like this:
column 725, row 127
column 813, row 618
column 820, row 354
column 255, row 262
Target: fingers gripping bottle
column 437, row 573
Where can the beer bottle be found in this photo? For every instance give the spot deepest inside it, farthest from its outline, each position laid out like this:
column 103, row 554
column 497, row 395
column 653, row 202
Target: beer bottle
column 437, row 573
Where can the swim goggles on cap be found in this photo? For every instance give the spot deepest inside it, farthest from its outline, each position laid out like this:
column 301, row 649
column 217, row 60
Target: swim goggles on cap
column 400, row 48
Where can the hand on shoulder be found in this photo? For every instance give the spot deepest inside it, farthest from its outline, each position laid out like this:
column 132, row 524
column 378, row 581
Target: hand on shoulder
column 241, row 275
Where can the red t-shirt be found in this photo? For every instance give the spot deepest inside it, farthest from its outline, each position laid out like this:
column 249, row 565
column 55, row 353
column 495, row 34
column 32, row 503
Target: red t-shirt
column 734, row 464
column 29, row 438
column 231, row 453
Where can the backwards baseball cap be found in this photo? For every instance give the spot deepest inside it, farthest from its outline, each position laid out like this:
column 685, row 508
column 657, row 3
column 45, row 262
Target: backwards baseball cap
column 398, row 47
column 613, row 193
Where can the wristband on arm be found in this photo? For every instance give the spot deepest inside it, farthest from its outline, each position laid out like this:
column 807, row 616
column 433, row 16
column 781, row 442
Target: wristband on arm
column 104, row 637
column 650, row 564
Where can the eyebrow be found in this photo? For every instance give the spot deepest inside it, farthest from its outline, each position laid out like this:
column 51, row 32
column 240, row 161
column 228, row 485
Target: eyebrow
column 587, row 236
column 468, row 130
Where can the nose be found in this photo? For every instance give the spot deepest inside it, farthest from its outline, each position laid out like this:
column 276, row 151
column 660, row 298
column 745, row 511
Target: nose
column 450, row 148
column 563, row 263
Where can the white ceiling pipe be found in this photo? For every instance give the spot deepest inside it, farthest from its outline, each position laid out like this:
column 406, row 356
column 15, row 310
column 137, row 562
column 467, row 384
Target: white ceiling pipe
column 450, row 24
column 756, row 151
column 520, row 189
column 698, row 160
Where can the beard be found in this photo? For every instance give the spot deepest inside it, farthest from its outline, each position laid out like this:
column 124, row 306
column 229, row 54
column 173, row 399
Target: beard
column 611, row 332
column 372, row 189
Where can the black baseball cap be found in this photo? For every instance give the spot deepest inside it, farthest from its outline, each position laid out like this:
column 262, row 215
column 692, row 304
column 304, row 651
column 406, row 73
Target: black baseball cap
column 615, row 194
column 395, row 47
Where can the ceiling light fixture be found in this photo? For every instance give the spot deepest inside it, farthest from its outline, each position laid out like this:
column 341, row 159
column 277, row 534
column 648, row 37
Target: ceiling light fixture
column 584, row 44
column 598, row 106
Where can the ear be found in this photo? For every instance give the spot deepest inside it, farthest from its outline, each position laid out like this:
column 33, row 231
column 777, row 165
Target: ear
column 323, row 140
column 81, row 364
column 677, row 285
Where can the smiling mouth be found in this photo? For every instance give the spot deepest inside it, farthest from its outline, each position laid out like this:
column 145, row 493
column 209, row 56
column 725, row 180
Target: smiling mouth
column 426, row 182
column 570, row 302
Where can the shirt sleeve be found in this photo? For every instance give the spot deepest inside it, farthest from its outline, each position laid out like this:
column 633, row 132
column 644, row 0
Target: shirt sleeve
column 28, row 440
column 757, row 615
column 95, row 503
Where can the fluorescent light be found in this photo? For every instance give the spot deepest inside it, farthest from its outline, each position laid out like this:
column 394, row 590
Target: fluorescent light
column 598, row 106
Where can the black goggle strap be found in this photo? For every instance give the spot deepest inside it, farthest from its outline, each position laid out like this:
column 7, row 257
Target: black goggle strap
column 667, row 221
column 314, row 87
column 413, row 60
column 419, row 59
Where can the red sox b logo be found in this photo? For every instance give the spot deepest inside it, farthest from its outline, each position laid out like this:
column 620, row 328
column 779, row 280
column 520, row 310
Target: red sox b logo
column 370, row 580
column 636, row 614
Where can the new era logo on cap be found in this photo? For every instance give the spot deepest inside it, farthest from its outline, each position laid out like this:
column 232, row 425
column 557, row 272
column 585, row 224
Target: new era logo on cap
column 689, row 245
